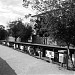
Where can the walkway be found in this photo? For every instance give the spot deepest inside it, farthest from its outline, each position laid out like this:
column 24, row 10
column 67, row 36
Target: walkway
column 13, row 62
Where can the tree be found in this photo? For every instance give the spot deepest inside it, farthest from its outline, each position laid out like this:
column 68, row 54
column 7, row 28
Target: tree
column 62, row 25
column 26, row 33
column 65, row 28
column 16, row 28
column 3, row 33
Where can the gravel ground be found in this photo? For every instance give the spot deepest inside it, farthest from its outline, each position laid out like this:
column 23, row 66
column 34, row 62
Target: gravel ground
column 13, row 62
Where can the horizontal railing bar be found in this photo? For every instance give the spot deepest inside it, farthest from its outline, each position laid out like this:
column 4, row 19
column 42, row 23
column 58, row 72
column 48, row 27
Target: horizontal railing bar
column 40, row 45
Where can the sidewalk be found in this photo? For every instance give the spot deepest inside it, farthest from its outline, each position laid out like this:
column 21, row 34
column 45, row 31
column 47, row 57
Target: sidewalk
column 23, row 64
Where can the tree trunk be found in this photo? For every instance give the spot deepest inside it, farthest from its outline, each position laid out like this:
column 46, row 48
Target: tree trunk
column 69, row 61
column 67, row 55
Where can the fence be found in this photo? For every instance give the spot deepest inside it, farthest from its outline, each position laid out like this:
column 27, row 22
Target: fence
column 54, row 54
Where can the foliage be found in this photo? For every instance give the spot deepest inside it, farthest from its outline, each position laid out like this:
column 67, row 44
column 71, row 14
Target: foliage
column 41, row 5
column 3, row 33
column 65, row 31
column 26, row 33
column 65, row 24
column 44, row 5
column 18, row 29
column 59, row 24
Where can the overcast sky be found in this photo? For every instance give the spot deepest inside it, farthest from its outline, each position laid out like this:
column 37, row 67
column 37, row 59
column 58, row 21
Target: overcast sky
column 12, row 9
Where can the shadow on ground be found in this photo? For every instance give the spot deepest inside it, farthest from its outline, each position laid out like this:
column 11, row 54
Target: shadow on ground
column 5, row 69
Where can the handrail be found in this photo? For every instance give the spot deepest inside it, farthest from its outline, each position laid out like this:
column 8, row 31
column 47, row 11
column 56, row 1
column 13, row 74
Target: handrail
column 41, row 45
column 46, row 52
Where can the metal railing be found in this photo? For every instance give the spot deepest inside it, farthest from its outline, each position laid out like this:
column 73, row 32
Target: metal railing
column 45, row 52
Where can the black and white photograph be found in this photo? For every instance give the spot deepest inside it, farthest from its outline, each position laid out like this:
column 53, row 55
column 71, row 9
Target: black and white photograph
column 37, row 37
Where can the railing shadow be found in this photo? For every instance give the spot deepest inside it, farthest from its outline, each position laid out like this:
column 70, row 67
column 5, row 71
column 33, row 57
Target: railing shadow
column 5, row 69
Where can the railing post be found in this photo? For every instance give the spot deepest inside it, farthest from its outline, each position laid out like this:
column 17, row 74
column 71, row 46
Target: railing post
column 43, row 52
column 14, row 46
column 34, row 51
column 21, row 47
column 40, row 52
column 8, row 44
column 74, row 58
column 24, row 48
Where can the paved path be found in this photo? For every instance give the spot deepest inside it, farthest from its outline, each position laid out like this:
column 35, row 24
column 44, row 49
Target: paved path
column 13, row 62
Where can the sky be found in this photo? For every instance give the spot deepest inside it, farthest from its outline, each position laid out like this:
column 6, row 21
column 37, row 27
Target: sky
column 11, row 10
